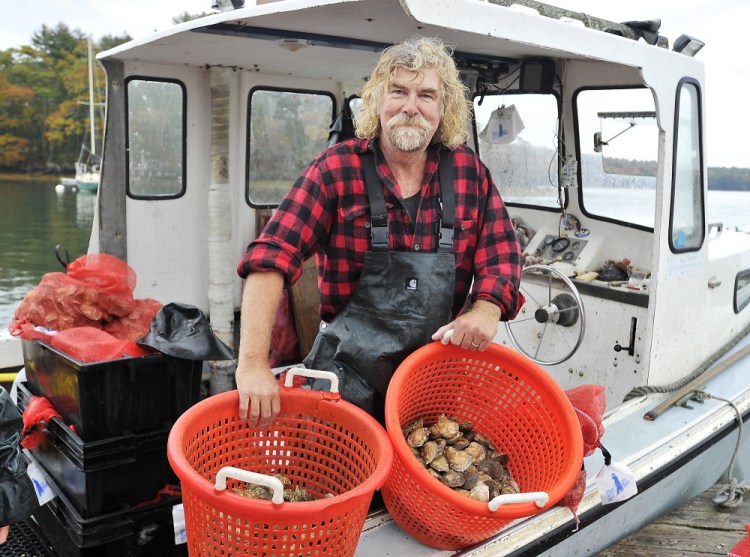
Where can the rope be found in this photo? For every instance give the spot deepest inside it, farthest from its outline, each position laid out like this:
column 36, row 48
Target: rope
column 730, row 498
column 648, row 389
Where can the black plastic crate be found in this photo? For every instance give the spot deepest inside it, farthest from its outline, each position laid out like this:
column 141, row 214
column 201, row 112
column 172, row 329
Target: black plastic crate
column 110, row 398
column 105, row 475
column 146, row 531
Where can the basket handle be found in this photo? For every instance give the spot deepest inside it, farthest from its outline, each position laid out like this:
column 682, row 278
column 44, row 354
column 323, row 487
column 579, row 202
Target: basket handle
column 317, row 373
column 538, row 497
column 251, row 478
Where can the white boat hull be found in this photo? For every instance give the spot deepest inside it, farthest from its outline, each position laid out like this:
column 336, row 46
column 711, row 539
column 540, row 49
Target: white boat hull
column 674, row 458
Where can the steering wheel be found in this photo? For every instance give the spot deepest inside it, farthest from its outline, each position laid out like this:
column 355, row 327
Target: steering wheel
column 556, row 321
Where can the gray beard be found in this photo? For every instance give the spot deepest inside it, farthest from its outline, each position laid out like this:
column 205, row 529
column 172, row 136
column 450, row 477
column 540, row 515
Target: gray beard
column 408, row 138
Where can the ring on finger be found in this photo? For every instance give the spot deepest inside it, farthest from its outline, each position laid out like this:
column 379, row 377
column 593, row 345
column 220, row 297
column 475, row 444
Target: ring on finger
column 475, row 345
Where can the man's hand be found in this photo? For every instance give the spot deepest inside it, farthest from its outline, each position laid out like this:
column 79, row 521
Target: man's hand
column 259, row 392
column 260, row 402
column 472, row 330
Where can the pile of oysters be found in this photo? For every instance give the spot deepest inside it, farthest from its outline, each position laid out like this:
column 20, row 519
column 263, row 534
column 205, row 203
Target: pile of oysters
column 292, row 494
column 463, row 459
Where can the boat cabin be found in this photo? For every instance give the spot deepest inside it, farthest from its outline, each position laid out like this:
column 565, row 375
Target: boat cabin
column 601, row 162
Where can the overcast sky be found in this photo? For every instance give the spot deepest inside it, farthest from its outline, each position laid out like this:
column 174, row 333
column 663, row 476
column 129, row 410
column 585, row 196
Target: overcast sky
column 719, row 23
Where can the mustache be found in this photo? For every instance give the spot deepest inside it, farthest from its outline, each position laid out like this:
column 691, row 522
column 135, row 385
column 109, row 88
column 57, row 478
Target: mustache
column 402, row 119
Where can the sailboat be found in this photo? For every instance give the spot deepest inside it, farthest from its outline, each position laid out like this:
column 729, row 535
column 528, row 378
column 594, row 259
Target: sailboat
column 87, row 165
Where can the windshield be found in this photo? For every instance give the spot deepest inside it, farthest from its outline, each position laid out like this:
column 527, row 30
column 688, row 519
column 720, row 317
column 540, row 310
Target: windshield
column 518, row 143
column 618, row 139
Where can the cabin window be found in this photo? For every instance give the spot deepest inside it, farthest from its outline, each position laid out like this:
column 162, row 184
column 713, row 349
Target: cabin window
column 741, row 291
column 286, row 131
column 618, row 142
column 523, row 163
column 686, row 224
column 156, row 138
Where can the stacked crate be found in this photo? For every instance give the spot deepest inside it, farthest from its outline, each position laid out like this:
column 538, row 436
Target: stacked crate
column 106, row 458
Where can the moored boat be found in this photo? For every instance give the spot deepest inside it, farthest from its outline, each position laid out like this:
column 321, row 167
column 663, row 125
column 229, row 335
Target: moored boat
column 601, row 165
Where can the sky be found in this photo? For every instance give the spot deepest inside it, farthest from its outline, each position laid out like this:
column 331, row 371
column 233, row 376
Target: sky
column 719, row 23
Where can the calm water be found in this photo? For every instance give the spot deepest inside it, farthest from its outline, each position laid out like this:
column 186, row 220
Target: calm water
column 34, row 218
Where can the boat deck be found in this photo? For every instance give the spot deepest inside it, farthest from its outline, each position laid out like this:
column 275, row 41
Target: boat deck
column 696, row 529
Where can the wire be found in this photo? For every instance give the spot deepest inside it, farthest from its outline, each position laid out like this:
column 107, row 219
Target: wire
column 734, row 493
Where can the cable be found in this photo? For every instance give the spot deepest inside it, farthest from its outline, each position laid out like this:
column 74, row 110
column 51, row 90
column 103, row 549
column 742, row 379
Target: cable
column 732, row 497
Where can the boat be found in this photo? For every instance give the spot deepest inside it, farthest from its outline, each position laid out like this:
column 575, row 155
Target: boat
column 628, row 286
column 87, row 166
column 87, row 170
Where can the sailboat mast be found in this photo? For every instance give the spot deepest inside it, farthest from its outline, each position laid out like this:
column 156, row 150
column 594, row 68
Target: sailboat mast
column 91, row 99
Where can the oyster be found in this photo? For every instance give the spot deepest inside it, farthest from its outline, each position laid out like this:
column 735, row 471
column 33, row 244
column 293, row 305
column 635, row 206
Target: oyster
column 418, row 437
column 502, row 458
column 445, row 428
column 476, row 451
column 256, row 492
column 480, row 492
column 484, row 440
column 411, row 427
column 297, row 495
column 291, row 494
column 460, row 457
column 458, row 460
column 491, row 467
column 440, row 464
column 461, row 443
column 471, row 477
column 430, row 451
column 453, row 479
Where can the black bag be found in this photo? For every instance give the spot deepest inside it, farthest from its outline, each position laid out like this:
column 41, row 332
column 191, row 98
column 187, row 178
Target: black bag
column 17, row 495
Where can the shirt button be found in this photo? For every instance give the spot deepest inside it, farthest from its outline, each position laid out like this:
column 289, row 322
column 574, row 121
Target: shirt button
column 416, row 247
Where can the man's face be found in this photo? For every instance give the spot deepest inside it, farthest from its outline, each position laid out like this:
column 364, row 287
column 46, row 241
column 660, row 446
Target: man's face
column 410, row 111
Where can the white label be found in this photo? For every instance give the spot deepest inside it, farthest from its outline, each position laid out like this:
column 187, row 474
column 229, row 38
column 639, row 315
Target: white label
column 178, row 518
column 615, row 483
column 44, row 492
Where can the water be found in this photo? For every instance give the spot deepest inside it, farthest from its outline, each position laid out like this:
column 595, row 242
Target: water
column 34, row 218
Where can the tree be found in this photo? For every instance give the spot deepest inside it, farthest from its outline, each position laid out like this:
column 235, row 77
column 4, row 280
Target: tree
column 111, row 41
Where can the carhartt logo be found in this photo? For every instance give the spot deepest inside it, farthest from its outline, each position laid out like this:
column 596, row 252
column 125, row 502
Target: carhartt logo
column 412, row 284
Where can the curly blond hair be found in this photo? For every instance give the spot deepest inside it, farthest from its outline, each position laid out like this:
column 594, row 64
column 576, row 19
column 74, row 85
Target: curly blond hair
column 416, row 55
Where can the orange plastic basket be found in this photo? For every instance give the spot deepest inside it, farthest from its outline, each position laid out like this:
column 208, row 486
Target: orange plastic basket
column 319, row 441
column 508, row 398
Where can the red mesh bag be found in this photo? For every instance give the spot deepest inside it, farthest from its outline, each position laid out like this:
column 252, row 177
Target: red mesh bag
column 589, row 403
column 96, row 291
column 89, row 344
column 742, row 549
column 110, row 278
column 136, row 324
column 35, row 417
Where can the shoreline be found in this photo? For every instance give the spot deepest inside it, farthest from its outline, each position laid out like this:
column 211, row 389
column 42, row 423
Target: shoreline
column 30, row 176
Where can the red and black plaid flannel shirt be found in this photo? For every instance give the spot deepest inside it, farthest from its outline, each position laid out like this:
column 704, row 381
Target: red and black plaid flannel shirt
column 326, row 212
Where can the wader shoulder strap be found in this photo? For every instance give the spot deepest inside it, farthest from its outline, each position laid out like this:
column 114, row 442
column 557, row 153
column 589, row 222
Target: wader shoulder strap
column 447, row 200
column 378, row 214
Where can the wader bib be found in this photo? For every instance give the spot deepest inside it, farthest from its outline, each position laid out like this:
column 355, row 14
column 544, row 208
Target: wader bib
column 401, row 299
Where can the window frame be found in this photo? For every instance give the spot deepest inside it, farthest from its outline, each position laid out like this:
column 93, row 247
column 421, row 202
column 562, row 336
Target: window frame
column 248, row 131
column 701, row 163
column 183, row 153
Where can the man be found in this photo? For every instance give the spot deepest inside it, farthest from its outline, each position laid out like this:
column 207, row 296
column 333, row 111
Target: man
column 404, row 221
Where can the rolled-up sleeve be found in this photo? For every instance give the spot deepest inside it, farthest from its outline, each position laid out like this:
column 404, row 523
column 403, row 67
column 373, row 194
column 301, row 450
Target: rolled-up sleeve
column 293, row 232
column 497, row 260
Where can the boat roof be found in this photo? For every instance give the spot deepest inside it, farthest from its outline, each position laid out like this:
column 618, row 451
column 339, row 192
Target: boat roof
column 332, row 38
